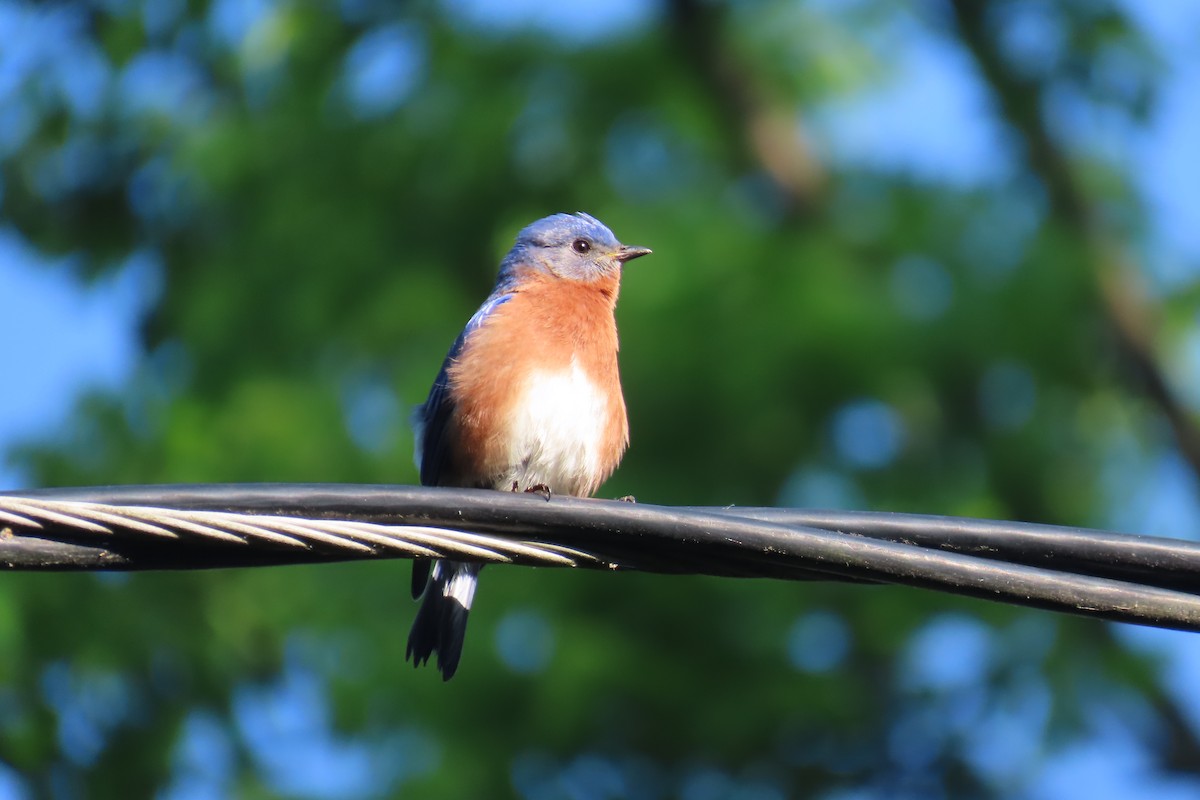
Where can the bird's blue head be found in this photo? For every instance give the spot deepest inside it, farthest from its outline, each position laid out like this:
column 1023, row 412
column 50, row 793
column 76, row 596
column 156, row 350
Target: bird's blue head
column 571, row 246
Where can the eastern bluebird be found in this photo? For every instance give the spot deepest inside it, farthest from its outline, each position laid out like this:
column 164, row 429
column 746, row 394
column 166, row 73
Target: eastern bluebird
column 528, row 398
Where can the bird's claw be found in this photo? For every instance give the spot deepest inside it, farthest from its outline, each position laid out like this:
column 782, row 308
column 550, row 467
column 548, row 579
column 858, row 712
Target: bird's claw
column 537, row 488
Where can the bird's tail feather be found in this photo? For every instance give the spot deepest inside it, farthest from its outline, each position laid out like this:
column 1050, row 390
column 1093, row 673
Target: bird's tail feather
column 441, row 623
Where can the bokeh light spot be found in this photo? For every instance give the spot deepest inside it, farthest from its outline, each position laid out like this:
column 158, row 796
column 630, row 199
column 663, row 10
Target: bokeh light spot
column 818, row 642
column 1007, row 395
column 867, row 434
column 921, row 287
column 525, row 642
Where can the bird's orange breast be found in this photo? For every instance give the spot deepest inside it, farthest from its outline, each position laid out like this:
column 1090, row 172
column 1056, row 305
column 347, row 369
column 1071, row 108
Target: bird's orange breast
column 537, row 390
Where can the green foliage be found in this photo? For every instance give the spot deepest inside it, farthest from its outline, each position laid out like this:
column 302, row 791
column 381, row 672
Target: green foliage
column 317, row 260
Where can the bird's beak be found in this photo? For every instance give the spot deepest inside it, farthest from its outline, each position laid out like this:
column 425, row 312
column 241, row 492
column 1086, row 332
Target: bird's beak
column 628, row 253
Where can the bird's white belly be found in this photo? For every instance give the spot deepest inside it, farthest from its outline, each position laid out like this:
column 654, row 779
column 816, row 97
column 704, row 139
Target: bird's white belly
column 556, row 432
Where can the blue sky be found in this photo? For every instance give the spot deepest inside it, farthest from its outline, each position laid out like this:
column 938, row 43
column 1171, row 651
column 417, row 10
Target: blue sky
column 70, row 336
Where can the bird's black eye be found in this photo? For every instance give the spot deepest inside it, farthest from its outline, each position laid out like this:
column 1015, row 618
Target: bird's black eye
column 581, row 246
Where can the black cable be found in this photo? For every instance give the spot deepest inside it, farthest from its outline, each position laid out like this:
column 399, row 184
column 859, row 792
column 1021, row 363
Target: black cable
column 1074, row 572
column 1154, row 561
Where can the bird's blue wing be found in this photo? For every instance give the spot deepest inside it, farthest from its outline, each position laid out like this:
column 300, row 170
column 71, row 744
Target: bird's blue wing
column 429, row 422
column 431, row 418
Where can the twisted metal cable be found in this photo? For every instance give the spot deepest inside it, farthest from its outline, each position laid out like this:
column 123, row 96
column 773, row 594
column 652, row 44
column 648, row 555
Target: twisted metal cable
column 1134, row 579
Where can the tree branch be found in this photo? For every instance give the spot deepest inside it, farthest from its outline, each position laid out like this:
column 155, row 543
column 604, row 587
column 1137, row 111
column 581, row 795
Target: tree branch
column 770, row 133
column 1127, row 312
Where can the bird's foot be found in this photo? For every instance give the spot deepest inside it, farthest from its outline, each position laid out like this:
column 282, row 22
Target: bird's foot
column 537, row 488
